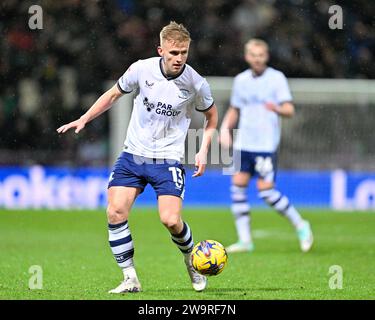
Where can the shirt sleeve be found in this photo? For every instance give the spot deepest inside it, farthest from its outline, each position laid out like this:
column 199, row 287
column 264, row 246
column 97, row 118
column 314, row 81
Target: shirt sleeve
column 204, row 99
column 235, row 98
column 283, row 93
column 129, row 80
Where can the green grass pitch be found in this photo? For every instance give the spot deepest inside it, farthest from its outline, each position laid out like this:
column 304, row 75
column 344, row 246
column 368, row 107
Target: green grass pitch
column 72, row 249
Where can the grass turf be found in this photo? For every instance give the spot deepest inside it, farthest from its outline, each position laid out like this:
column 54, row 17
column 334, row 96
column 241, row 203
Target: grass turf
column 71, row 247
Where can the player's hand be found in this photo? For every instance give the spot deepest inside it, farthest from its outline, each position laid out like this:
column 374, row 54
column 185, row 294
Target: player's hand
column 77, row 124
column 225, row 138
column 272, row 107
column 200, row 164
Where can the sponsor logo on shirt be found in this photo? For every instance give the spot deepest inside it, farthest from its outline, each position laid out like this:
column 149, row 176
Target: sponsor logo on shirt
column 149, row 106
column 161, row 108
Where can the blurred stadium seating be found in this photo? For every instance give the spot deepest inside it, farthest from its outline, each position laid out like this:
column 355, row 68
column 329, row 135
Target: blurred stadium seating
column 51, row 76
column 52, row 247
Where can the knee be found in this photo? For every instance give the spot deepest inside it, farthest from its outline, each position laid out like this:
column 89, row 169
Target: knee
column 171, row 221
column 241, row 179
column 264, row 185
column 116, row 214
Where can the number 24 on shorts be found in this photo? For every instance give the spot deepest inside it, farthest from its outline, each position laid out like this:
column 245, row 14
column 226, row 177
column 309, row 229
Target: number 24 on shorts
column 263, row 165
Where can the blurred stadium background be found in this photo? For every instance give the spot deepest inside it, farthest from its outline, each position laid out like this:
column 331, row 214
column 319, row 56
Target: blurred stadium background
column 326, row 162
column 51, row 76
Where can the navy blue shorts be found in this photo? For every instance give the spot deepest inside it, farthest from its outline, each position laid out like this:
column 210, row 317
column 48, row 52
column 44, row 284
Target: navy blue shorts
column 258, row 164
column 166, row 176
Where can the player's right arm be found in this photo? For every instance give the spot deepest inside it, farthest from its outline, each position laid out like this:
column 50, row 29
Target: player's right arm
column 101, row 105
column 126, row 84
column 228, row 124
column 231, row 116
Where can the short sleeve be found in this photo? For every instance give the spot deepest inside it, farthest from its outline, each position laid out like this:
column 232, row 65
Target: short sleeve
column 283, row 93
column 235, row 98
column 129, row 80
column 204, row 99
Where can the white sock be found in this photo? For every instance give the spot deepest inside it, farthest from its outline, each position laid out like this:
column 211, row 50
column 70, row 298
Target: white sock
column 241, row 211
column 184, row 240
column 243, row 228
column 129, row 272
column 294, row 217
column 281, row 204
column 121, row 243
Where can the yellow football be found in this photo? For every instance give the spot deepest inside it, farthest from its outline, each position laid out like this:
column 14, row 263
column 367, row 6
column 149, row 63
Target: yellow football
column 209, row 257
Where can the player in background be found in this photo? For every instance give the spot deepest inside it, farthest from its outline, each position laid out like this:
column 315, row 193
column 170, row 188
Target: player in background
column 260, row 96
column 168, row 90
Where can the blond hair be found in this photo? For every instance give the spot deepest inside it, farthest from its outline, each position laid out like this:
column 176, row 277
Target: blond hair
column 175, row 32
column 256, row 42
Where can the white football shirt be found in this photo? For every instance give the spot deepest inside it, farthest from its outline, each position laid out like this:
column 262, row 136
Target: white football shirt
column 162, row 108
column 259, row 128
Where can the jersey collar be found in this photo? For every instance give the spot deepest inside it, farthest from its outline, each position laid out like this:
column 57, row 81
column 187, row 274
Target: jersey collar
column 170, row 77
column 254, row 76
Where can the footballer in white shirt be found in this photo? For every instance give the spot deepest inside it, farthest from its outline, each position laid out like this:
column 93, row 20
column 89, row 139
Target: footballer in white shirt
column 260, row 96
column 167, row 92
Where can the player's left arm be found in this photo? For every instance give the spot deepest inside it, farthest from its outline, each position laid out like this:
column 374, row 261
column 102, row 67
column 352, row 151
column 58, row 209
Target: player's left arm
column 211, row 120
column 283, row 104
column 285, row 109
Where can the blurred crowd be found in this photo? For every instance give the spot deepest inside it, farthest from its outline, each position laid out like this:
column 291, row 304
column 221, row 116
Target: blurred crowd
column 51, row 76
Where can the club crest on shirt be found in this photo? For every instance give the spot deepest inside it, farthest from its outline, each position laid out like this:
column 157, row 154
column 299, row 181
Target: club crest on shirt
column 184, row 94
